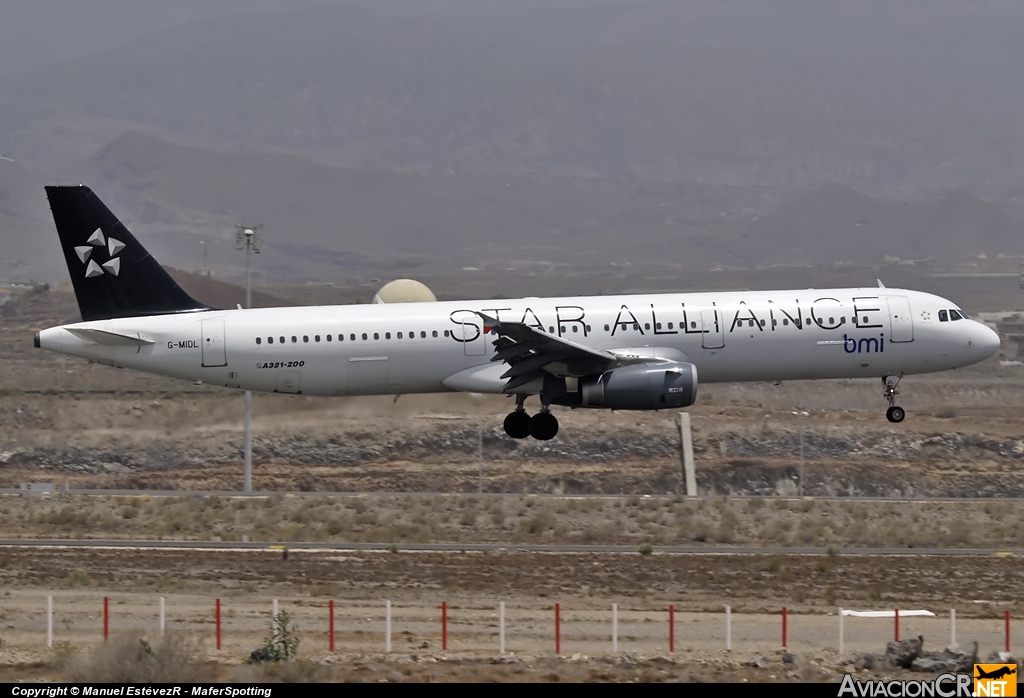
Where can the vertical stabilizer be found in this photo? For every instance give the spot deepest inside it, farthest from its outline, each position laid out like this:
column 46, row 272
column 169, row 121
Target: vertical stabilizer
column 113, row 275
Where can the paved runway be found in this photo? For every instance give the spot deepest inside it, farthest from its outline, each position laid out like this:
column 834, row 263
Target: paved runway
column 486, row 547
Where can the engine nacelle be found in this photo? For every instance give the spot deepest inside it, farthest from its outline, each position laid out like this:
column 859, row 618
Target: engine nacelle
column 649, row 386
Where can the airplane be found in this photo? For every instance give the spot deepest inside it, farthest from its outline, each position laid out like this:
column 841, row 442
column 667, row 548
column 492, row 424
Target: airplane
column 622, row 352
column 999, row 673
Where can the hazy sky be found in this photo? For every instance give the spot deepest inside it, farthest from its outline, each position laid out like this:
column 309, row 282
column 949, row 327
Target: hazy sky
column 38, row 32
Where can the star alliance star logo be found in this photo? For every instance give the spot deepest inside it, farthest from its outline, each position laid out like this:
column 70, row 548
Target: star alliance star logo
column 97, row 240
column 926, row 315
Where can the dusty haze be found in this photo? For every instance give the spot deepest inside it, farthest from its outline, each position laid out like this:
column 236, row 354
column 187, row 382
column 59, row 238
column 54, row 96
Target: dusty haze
column 414, row 138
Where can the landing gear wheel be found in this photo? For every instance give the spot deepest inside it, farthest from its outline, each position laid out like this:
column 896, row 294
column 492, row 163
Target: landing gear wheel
column 895, row 414
column 517, row 424
column 543, row 426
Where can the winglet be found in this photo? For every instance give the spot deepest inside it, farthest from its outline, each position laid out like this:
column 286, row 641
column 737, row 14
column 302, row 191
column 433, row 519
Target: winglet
column 880, row 284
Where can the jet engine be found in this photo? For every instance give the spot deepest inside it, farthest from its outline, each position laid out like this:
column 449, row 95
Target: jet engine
column 648, row 386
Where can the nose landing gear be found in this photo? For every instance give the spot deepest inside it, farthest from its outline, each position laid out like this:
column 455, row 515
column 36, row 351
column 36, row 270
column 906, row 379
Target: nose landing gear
column 894, row 414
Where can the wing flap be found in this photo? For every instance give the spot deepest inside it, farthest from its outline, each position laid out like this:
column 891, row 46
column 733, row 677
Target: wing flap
column 532, row 354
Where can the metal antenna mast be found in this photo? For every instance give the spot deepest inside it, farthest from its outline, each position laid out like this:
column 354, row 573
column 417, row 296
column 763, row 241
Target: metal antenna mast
column 247, row 237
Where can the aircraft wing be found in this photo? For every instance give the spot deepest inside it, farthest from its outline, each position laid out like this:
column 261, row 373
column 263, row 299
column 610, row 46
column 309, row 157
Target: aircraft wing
column 532, row 353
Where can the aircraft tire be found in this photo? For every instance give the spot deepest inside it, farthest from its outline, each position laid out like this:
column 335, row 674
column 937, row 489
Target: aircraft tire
column 895, row 414
column 517, row 424
column 543, row 426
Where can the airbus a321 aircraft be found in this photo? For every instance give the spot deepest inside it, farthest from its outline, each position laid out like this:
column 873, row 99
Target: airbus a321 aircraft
column 635, row 352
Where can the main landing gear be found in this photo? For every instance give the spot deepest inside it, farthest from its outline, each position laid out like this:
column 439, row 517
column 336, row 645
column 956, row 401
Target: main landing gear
column 893, row 414
column 541, row 426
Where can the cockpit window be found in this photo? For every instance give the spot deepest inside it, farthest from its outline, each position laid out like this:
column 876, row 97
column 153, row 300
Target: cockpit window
column 954, row 315
column 943, row 316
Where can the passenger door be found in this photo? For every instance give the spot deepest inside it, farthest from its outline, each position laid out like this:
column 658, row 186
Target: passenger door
column 902, row 321
column 214, row 351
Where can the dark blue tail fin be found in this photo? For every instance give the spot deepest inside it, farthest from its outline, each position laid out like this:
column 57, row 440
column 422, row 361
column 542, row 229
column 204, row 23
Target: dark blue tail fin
column 113, row 275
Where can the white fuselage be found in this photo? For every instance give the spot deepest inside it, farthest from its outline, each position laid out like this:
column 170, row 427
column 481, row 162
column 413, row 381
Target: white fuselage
column 436, row 347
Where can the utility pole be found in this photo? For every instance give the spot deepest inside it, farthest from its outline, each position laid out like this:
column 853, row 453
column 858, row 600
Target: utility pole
column 247, row 237
column 801, row 414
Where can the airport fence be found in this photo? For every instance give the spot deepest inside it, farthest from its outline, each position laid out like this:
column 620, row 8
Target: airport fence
column 237, row 625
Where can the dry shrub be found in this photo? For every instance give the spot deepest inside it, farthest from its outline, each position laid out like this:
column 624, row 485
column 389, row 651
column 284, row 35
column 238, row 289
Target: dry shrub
column 130, row 658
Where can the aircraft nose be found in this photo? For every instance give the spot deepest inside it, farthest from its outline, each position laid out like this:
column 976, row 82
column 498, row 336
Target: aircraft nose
column 987, row 343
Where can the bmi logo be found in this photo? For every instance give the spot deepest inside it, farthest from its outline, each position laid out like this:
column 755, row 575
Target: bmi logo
column 96, row 242
column 995, row 680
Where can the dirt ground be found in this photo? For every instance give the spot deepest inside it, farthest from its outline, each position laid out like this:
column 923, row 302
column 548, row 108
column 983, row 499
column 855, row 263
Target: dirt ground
column 472, row 585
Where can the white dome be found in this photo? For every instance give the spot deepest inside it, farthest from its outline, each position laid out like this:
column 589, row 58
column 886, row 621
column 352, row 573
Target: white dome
column 404, row 291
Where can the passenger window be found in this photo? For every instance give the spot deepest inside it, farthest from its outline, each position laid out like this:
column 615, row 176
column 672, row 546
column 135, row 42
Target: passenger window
column 588, row 327
column 399, row 335
column 316, row 338
column 376, row 335
column 352, row 338
column 364, row 336
column 575, row 328
column 551, row 329
column 561, row 328
column 785, row 322
column 270, row 340
column 943, row 316
column 305, row 338
column 446, row 333
column 693, row 325
column 423, row 335
column 670, row 325
column 281, row 339
column 259, row 341
column 387, row 335
column 647, row 325
column 606, row 328
column 636, row 326
column 294, row 339
column 762, row 323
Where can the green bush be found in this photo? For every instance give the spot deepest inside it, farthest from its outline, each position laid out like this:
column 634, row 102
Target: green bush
column 646, row 549
column 281, row 645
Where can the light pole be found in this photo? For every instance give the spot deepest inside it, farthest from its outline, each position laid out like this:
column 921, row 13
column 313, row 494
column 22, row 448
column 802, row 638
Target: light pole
column 247, row 237
column 478, row 399
column 801, row 415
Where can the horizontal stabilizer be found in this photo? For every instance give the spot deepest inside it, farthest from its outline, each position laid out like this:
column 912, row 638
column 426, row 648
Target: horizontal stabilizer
column 109, row 338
